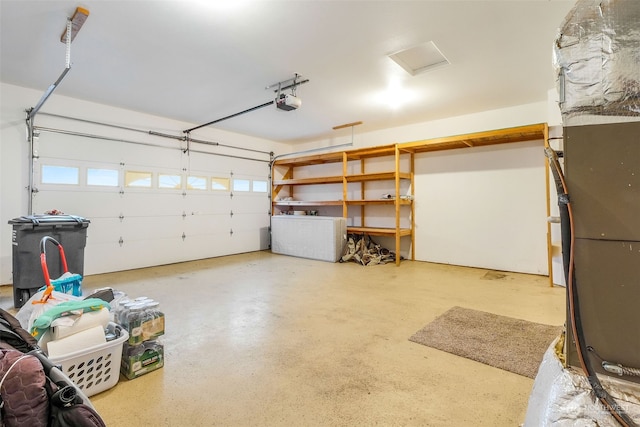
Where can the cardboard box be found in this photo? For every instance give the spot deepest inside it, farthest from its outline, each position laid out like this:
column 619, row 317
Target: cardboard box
column 141, row 359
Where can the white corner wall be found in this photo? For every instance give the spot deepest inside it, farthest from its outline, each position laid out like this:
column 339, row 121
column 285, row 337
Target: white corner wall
column 483, row 207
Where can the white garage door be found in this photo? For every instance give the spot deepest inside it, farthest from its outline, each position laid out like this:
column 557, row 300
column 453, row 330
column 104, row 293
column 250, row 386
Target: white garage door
column 150, row 201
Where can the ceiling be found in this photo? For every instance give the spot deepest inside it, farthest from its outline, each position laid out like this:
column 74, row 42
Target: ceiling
column 202, row 60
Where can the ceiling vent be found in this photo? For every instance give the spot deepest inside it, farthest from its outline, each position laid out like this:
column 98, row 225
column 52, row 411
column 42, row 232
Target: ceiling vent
column 420, row 59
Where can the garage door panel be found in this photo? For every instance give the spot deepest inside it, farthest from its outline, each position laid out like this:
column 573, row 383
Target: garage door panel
column 87, row 204
column 206, row 224
column 248, row 241
column 199, row 246
column 106, row 256
column 151, row 228
column 133, row 227
column 157, row 203
column 104, row 230
column 101, row 204
column 250, row 221
column 209, row 204
column 69, row 202
column 251, row 204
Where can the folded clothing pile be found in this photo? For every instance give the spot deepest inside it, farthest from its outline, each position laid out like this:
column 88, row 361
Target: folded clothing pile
column 362, row 250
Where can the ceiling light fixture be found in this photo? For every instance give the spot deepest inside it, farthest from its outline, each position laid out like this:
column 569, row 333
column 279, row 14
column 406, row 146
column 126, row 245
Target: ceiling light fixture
column 222, row 5
column 395, row 96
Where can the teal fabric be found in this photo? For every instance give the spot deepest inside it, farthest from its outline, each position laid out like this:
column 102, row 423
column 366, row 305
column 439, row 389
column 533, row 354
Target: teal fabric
column 68, row 283
column 66, row 308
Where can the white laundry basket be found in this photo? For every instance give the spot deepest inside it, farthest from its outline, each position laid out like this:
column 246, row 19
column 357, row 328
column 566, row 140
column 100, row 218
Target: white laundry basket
column 95, row 369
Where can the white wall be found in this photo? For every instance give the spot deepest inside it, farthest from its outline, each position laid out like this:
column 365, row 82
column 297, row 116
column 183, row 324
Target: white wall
column 483, row 207
column 153, row 222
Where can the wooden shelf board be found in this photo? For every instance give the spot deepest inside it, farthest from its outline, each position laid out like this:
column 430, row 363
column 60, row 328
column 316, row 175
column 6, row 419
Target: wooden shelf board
column 375, row 231
column 308, row 181
column 478, row 139
column 378, row 202
column 334, row 157
column 308, row 203
column 317, row 159
column 339, row 202
column 376, row 176
column 377, row 151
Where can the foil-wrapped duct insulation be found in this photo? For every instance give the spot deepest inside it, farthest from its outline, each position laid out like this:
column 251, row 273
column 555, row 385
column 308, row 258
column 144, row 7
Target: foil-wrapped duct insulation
column 597, row 60
column 562, row 397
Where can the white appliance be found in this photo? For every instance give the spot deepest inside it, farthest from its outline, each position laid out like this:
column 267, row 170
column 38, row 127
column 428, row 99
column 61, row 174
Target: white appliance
column 316, row 237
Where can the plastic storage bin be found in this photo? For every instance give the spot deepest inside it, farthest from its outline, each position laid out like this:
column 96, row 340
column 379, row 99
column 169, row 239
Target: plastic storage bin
column 95, row 369
column 69, row 230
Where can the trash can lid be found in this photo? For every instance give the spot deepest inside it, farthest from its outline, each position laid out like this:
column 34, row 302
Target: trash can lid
column 49, row 219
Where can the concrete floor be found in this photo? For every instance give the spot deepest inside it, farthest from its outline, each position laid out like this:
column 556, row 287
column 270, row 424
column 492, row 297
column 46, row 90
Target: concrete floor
column 267, row 340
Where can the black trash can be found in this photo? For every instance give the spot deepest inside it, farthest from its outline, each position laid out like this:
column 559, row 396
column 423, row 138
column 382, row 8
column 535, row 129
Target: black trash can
column 69, row 230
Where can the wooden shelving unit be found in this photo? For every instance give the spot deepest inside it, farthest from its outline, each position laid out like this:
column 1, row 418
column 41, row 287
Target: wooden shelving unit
column 394, row 176
column 357, row 158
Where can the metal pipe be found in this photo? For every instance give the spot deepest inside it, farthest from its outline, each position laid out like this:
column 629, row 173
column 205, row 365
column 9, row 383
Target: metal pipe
column 165, row 135
column 200, row 141
column 31, row 114
column 95, row 122
column 88, row 135
column 47, row 94
column 31, row 168
column 106, row 138
column 231, row 116
column 154, row 133
column 53, row 87
column 289, row 86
